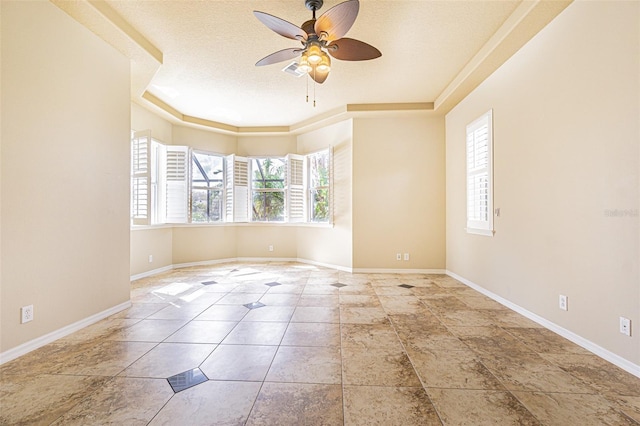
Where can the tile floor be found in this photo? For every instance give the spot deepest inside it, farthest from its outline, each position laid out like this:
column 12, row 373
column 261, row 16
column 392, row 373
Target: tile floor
column 293, row 344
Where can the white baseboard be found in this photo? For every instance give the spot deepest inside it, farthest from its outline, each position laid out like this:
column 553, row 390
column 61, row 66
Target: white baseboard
column 567, row 334
column 151, row 272
column 61, row 332
column 397, row 271
column 325, row 265
column 266, row 259
column 575, row 338
column 202, row 263
column 287, row 259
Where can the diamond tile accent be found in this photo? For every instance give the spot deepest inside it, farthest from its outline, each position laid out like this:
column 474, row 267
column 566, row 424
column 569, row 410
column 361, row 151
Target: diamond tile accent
column 339, row 285
column 273, row 284
column 187, row 379
column 254, row 305
column 406, row 286
column 209, row 282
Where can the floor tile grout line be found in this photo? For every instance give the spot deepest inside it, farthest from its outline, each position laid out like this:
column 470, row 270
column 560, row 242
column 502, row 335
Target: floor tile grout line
column 476, row 356
column 97, row 389
column 342, row 384
column 606, row 395
column 479, row 358
column 264, row 380
column 415, row 371
column 580, row 380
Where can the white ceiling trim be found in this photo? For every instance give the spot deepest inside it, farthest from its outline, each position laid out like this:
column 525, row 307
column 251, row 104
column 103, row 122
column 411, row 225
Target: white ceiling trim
column 526, row 21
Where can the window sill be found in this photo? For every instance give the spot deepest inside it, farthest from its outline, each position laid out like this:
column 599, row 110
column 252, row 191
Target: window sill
column 241, row 224
column 287, row 224
column 145, row 227
column 476, row 231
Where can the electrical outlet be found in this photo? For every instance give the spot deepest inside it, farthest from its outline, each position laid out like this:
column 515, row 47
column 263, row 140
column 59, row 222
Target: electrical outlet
column 625, row 326
column 398, row 256
column 27, row 313
column 563, row 302
column 270, row 248
column 150, row 258
column 406, row 256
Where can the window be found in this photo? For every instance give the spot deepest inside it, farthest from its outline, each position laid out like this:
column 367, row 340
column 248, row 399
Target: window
column 175, row 184
column 480, row 175
column 237, row 187
column 145, row 175
column 296, row 201
column 141, row 178
column 268, row 189
column 207, row 187
column 174, row 176
column 319, row 191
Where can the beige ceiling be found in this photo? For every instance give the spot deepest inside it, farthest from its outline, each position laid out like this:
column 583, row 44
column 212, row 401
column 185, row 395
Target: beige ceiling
column 194, row 60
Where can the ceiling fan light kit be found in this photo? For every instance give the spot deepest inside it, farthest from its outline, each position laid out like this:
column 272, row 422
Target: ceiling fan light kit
column 314, row 53
column 320, row 39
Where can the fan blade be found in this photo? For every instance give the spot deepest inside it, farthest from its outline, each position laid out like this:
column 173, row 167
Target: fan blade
column 317, row 76
column 335, row 22
column 279, row 56
column 280, row 26
column 349, row 49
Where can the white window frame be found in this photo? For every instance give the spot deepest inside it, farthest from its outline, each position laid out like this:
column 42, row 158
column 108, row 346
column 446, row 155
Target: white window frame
column 176, row 164
column 479, row 175
column 267, row 190
column 194, row 186
column 237, row 189
column 140, row 178
column 161, row 185
column 295, row 194
column 309, row 189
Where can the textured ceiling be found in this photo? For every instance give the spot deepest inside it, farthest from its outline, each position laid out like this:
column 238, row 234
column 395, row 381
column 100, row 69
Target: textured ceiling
column 210, row 48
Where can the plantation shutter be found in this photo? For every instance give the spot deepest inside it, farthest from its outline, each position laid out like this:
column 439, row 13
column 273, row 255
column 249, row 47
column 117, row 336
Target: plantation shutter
column 177, row 184
column 296, row 180
column 237, row 189
column 331, row 198
column 479, row 175
column 141, row 178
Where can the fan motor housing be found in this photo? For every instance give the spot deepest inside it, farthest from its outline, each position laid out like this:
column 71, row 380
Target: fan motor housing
column 308, row 27
column 313, row 4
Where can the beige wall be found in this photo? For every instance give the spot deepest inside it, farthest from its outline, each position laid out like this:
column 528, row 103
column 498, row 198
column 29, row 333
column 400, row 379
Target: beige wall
column 155, row 242
column 189, row 244
column 254, row 241
column 143, row 119
column 203, row 140
column 266, row 145
column 65, row 172
column 145, row 241
column 203, row 243
column 401, row 157
column 331, row 246
column 566, row 140
column 398, row 192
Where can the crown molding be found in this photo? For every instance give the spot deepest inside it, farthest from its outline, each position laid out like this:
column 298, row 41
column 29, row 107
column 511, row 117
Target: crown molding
column 329, row 117
column 522, row 25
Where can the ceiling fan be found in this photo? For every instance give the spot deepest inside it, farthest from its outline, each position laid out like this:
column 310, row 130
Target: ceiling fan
column 319, row 38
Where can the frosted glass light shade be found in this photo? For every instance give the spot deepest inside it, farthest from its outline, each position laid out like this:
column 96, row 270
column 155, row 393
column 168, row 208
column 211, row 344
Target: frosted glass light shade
column 314, row 54
column 325, row 64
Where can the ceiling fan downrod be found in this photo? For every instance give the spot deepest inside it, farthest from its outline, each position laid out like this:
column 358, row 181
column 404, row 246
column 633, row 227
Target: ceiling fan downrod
column 313, row 5
column 320, row 39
